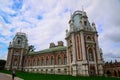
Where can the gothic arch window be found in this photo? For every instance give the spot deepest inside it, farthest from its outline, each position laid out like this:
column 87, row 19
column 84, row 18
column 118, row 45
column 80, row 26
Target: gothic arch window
column 37, row 62
column 90, row 55
column 18, row 41
column 47, row 61
column 85, row 23
column 59, row 60
column 16, row 53
column 65, row 60
column 42, row 61
column 15, row 62
column 33, row 62
column 89, row 38
column 52, row 60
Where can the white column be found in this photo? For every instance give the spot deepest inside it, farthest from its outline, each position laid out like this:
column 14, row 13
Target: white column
column 9, row 58
column 68, row 61
column 97, row 47
column 83, row 46
column 95, row 61
column 74, row 65
column 21, row 57
column 73, row 49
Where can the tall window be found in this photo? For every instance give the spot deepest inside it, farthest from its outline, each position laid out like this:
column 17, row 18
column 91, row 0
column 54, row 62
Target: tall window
column 90, row 55
column 65, row 60
column 15, row 62
column 52, row 61
column 59, row 60
column 85, row 23
column 37, row 62
column 18, row 41
column 42, row 61
column 89, row 38
column 33, row 62
column 47, row 61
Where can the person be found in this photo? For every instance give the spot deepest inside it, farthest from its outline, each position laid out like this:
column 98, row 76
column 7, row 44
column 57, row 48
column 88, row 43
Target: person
column 13, row 74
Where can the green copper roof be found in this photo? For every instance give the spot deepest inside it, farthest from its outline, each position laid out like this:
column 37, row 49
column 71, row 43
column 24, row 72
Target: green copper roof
column 54, row 49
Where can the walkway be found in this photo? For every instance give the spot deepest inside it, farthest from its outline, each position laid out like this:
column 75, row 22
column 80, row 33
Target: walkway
column 7, row 77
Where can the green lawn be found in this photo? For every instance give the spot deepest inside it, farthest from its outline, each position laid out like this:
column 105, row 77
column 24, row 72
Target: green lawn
column 37, row 76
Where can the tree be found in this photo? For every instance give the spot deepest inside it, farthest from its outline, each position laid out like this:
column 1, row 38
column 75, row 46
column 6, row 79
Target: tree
column 31, row 48
column 2, row 64
column 115, row 61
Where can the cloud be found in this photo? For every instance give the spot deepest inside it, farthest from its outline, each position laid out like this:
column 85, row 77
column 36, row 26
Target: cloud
column 46, row 21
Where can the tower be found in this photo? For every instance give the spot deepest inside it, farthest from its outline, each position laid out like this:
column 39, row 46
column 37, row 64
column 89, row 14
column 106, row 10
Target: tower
column 17, row 49
column 83, row 54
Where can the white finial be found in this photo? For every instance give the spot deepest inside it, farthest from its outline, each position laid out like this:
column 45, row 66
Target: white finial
column 70, row 13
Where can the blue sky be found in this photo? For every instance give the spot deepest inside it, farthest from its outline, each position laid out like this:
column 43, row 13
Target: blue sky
column 45, row 21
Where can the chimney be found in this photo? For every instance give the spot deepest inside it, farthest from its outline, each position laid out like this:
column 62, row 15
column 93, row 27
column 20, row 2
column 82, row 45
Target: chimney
column 60, row 43
column 52, row 45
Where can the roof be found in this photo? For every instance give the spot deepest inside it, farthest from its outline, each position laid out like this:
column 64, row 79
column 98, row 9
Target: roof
column 54, row 49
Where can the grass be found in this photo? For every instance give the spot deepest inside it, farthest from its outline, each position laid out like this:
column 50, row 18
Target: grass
column 38, row 76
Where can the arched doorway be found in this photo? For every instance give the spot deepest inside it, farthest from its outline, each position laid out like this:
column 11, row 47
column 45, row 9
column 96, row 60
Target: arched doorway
column 92, row 70
column 115, row 73
column 108, row 73
column 119, row 73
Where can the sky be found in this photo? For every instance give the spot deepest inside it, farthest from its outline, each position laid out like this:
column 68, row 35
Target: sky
column 45, row 21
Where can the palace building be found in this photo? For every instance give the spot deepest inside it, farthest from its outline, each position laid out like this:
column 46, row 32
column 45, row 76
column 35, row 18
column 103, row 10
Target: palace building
column 81, row 56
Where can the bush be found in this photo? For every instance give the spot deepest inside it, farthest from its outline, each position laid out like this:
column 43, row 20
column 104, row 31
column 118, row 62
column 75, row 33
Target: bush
column 2, row 64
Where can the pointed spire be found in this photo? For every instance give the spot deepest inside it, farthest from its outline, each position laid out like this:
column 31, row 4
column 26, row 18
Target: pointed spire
column 93, row 26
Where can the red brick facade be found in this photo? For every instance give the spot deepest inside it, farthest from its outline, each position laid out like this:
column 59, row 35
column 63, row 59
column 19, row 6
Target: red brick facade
column 112, row 69
column 81, row 56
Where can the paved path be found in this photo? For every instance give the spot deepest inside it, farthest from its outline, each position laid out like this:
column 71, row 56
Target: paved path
column 7, row 77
